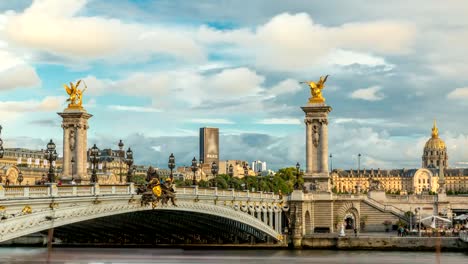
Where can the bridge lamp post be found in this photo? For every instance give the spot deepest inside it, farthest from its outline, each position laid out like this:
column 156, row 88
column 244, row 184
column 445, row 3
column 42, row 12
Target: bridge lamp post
column 171, row 165
column 259, row 178
column 231, row 174
column 331, row 162
column 121, row 154
column 129, row 161
column 214, row 171
column 246, row 173
column 94, row 161
column 2, row 151
column 20, row 177
column 298, row 166
column 359, row 162
column 50, row 155
column 194, row 169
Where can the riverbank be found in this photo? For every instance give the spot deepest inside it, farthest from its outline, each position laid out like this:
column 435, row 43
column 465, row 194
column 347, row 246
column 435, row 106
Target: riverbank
column 386, row 243
column 320, row 241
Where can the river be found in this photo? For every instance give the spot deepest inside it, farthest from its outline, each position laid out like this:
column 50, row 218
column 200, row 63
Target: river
column 267, row 256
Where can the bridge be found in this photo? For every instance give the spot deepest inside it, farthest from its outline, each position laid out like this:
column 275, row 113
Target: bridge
column 82, row 211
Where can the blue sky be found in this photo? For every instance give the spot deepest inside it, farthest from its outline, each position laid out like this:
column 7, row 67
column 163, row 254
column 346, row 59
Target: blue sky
column 156, row 71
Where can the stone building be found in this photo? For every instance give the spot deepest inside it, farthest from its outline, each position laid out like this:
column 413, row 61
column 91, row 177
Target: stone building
column 434, row 171
column 30, row 163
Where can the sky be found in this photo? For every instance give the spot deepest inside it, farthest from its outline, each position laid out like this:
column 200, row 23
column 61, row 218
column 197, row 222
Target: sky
column 157, row 71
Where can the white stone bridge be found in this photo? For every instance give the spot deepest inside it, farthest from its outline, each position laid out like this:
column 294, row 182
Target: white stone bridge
column 82, row 210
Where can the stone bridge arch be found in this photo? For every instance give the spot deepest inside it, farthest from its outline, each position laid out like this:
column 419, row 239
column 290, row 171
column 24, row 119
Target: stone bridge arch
column 55, row 215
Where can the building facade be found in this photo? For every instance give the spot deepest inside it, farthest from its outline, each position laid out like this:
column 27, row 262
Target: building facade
column 427, row 179
column 259, row 166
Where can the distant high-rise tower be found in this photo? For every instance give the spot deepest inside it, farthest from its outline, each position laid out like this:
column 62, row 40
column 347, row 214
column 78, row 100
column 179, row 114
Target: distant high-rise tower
column 209, row 145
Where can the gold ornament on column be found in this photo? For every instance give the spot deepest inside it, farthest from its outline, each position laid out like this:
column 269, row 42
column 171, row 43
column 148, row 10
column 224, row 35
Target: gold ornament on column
column 316, row 90
column 75, row 94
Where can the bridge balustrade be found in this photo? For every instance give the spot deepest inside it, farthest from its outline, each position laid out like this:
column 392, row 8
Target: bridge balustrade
column 53, row 190
column 464, row 236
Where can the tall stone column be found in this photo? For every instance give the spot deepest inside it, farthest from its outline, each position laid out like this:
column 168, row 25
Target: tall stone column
column 317, row 177
column 308, row 123
column 75, row 124
column 66, row 170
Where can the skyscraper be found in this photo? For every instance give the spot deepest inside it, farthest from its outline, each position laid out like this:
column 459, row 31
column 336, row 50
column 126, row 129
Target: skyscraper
column 209, row 145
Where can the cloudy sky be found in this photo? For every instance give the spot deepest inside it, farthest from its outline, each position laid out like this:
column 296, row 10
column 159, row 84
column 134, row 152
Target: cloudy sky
column 156, row 71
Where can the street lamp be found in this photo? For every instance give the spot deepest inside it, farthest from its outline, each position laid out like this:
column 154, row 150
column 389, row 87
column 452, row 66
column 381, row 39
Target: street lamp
column 171, row 165
column 72, row 162
column 43, row 179
column 246, row 173
column 359, row 162
column 121, row 153
column 50, row 155
column 94, row 157
column 214, row 171
column 1, row 146
column 194, row 169
column 1, row 149
column 20, row 177
column 298, row 166
column 129, row 161
column 259, row 179
column 331, row 162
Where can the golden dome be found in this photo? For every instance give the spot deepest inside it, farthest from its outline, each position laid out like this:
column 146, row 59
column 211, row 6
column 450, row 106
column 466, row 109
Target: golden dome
column 435, row 143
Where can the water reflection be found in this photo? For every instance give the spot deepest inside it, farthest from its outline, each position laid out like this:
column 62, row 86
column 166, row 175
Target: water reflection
column 270, row 256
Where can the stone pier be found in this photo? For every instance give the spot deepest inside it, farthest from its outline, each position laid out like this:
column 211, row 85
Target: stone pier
column 75, row 141
column 316, row 176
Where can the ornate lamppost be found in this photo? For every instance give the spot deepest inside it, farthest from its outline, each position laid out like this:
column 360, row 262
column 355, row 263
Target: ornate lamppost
column 2, row 151
column 20, row 177
column 129, row 161
column 121, row 154
column 94, row 157
column 171, row 165
column 231, row 174
column 298, row 166
column 246, row 173
column 331, row 162
column 194, row 169
column 51, row 155
column 359, row 162
column 214, row 171
column 259, row 179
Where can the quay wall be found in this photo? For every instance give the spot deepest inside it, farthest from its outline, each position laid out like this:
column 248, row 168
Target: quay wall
column 387, row 243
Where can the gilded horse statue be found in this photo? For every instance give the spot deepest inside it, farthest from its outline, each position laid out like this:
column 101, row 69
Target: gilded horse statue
column 316, row 90
column 75, row 94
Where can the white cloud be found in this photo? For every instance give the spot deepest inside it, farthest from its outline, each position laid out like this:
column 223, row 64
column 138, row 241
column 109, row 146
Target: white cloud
column 59, row 28
column 279, row 121
column 369, row 94
column 294, row 42
column 220, row 121
column 288, row 86
column 459, row 93
column 127, row 108
column 368, row 121
column 49, row 103
column 15, row 73
column 196, row 89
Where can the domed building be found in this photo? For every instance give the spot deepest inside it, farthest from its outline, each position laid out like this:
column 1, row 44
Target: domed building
column 434, row 176
column 435, row 151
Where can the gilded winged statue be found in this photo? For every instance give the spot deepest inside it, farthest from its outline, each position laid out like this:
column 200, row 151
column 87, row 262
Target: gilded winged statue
column 316, row 90
column 75, row 94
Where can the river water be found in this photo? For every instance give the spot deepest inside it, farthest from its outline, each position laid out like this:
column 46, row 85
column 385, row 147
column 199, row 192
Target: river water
column 268, row 256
